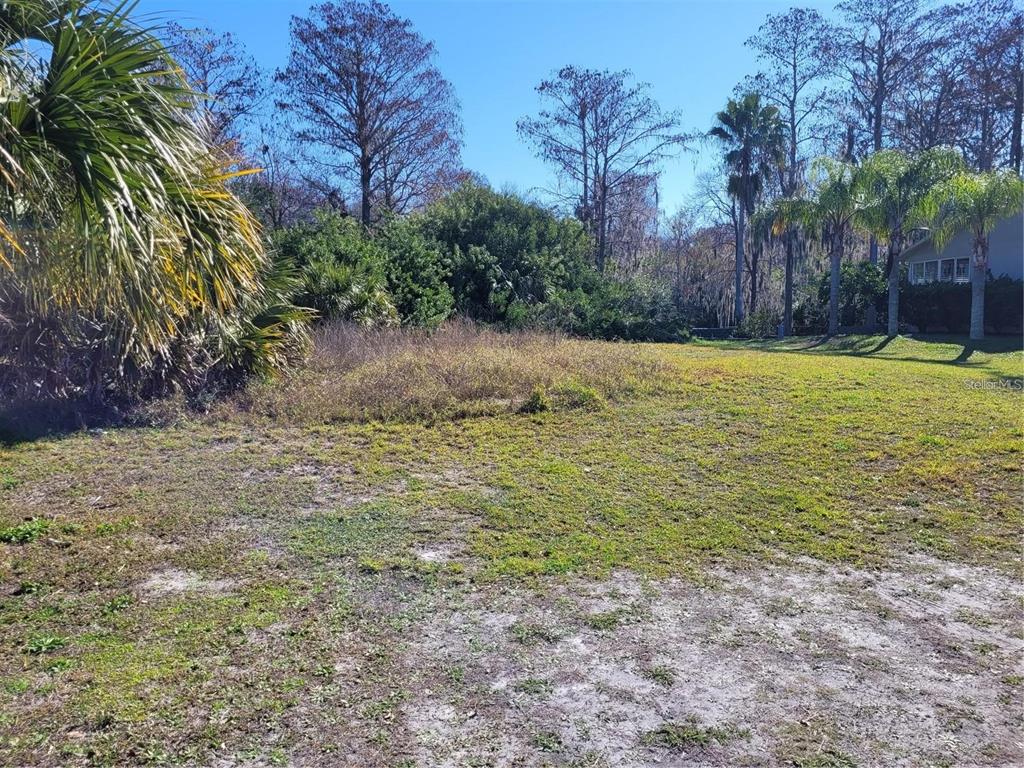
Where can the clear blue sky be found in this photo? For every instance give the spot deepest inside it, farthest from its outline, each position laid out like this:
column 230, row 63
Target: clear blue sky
column 494, row 53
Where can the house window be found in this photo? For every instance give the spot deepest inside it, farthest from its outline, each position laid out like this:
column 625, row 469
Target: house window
column 947, row 270
column 962, row 271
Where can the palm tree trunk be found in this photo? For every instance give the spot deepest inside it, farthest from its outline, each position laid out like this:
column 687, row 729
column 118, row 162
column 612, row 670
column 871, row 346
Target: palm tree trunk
column 870, row 312
column 894, row 300
column 895, row 246
column 740, row 259
column 979, row 270
column 833, row 292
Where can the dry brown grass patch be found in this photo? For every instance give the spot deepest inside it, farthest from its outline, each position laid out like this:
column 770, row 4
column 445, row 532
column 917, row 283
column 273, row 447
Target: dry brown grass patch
column 459, row 370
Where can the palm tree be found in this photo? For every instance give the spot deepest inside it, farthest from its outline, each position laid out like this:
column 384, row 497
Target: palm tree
column 754, row 139
column 832, row 209
column 974, row 202
column 119, row 236
column 896, row 182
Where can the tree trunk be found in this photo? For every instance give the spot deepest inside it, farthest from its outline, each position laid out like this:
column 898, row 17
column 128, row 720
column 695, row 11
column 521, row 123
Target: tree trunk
column 1016, row 149
column 881, row 87
column 585, row 213
column 871, row 312
column 979, row 272
column 364, row 189
column 602, row 225
column 787, row 312
column 985, row 152
column 740, row 259
column 755, row 259
column 894, row 300
column 833, row 292
column 678, row 292
column 871, row 316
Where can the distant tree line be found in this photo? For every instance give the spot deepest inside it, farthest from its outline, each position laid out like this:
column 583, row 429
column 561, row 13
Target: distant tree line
column 364, row 191
column 374, row 131
column 884, row 74
column 173, row 217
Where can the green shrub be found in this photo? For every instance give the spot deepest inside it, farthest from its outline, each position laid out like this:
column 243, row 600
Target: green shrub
column 936, row 306
column 1004, row 305
column 861, row 284
column 940, row 306
column 537, row 402
column 572, row 394
column 342, row 271
column 506, row 255
column 394, row 275
column 354, row 292
column 416, row 270
column 635, row 309
column 762, row 324
column 267, row 333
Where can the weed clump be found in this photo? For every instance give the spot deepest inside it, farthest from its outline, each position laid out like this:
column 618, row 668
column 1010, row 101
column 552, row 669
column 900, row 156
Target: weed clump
column 534, row 686
column 605, row 621
column 690, row 733
column 40, row 644
column 24, row 533
column 661, row 675
column 575, row 395
column 532, row 634
column 537, row 402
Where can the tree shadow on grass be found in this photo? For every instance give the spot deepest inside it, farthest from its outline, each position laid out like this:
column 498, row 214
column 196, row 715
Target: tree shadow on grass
column 873, row 346
column 25, row 420
column 848, row 345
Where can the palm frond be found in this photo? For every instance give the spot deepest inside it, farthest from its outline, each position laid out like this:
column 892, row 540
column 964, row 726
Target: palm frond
column 113, row 205
column 974, row 202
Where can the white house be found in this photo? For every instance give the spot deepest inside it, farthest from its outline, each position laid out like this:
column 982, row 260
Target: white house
column 926, row 264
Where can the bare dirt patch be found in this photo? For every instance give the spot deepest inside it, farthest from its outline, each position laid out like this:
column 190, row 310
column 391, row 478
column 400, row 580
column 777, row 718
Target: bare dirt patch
column 171, row 581
column 804, row 665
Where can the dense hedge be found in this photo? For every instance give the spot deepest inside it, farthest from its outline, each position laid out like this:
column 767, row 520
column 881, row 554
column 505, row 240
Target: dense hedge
column 861, row 284
column 947, row 306
column 928, row 307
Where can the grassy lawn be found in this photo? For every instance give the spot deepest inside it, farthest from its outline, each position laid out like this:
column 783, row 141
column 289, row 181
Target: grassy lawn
column 618, row 579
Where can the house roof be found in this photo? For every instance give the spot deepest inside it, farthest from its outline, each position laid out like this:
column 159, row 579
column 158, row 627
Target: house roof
column 909, row 250
column 912, row 249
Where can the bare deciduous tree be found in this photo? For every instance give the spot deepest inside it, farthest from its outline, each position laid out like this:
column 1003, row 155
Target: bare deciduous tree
column 279, row 195
column 601, row 132
column 375, row 111
column 930, row 113
column 794, row 48
column 881, row 46
column 228, row 82
column 992, row 34
column 700, row 241
column 633, row 223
